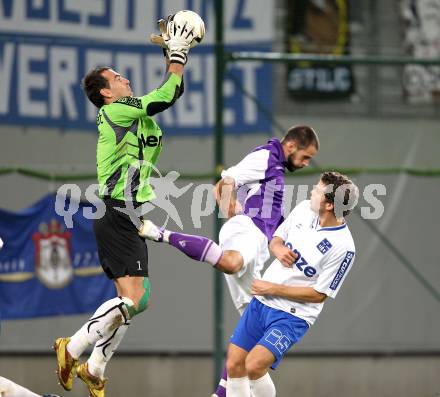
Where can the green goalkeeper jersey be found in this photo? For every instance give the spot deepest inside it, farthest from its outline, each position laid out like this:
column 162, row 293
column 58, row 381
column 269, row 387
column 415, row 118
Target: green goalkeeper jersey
column 130, row 139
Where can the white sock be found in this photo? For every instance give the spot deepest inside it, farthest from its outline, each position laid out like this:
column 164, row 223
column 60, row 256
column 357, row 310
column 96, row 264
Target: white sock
column 238, row 387
column 104, row 349
column 109, row 316
column 263, row 387
column 213, row 254
column 166, row 236
column 11, row 389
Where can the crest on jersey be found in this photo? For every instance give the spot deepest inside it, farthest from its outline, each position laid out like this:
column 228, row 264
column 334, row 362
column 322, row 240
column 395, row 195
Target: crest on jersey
column 324, row 246
column 53, row 265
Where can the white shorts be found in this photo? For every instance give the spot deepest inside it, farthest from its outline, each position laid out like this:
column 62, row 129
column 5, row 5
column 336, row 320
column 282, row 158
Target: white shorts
column 240, row 234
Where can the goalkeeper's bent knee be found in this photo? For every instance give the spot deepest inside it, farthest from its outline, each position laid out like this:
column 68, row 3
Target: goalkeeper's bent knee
column 143, row 302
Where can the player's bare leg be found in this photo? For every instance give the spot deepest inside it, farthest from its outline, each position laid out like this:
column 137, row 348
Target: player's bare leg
column 258, row 381
column 238, row 382
column 11, row 389
column 248, row 372
column 231, row 262
column 258, row 362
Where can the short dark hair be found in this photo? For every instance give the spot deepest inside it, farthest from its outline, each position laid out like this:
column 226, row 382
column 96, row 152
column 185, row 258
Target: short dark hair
column 336, row 180
column 92, row 84
column 303, row 135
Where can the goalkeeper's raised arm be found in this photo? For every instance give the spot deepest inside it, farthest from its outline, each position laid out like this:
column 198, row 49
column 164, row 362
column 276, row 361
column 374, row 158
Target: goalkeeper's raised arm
column 104, row 86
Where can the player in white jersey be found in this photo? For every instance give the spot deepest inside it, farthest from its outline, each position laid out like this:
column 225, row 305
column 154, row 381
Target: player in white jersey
column 11, row 389
column 250, row 194
column 292, row 292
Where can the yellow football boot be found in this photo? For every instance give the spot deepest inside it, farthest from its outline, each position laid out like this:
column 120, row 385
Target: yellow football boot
column 94, row 383
column 66, row 363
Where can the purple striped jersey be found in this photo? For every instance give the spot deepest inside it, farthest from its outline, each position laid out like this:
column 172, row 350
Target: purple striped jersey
column 259, row 180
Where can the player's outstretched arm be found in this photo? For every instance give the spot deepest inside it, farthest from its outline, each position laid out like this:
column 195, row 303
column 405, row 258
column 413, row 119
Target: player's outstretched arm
column 163, row 97
column 176, row 68
column 298, row 294
column 176, row 45
column 159, row 39
column 285, row 255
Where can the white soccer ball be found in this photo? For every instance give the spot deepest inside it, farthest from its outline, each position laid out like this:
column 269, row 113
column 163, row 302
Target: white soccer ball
column 190, row 18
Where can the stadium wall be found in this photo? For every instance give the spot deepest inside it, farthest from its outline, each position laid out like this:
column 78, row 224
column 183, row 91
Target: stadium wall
column 316, row 376
column 380, row 337
column 380, row 309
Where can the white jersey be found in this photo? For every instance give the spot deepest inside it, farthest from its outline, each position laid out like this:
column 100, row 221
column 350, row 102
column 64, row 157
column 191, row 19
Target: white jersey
column 325, row 256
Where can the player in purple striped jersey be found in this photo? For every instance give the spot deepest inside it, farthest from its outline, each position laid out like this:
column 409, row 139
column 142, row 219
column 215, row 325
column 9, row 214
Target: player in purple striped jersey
column 250, row 194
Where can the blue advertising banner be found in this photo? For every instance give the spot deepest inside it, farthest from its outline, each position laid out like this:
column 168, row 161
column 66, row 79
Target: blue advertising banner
column 47, row 47
column 47, row 270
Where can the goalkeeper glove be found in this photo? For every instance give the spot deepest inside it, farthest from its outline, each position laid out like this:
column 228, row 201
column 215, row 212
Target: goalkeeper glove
column 159, row 39
column 173, row 40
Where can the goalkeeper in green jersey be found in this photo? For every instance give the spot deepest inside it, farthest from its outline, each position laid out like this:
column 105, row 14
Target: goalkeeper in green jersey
column 129, row 145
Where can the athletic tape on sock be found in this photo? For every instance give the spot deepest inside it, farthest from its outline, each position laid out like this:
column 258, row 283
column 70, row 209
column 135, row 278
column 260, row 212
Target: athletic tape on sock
column 143, row 302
